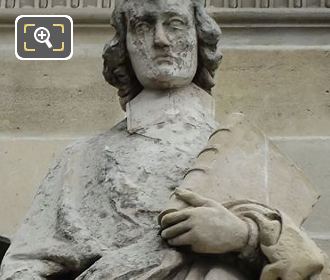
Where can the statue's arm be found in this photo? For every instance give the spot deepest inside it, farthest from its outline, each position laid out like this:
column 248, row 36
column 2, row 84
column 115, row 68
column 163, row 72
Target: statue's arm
column 42, row 247
column 291, row 254
column 23, row 259
column 259, row 234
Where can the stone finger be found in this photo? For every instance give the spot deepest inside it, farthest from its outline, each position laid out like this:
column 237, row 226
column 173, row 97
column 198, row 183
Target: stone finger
column 192, row 198
column 174, row 218
column 176, row 230
column 181, row 240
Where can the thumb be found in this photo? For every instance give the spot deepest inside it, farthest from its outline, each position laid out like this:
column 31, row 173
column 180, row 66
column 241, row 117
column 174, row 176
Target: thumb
column 192, row 198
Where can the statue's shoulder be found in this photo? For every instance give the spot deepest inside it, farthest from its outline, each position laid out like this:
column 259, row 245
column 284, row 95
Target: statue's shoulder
column 85, row 153
column 94, row 143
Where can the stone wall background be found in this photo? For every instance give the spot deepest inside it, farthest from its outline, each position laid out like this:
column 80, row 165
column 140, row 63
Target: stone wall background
column 275, row 70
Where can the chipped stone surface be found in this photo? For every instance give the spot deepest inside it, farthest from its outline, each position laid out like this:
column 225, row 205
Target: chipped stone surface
column 105, row 194
column 23, row 165
column 265, row 175
column 95, row 214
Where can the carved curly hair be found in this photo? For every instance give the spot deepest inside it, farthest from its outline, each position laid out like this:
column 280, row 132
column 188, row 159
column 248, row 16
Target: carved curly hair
column 117, row 68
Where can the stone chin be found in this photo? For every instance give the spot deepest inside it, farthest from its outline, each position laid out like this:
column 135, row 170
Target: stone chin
column 165, row 77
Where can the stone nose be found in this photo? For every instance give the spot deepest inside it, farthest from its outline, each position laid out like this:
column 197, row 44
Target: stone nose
column 160, row 38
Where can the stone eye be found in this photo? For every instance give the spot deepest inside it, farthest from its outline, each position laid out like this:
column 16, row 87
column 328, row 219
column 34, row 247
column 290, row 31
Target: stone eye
column 142, row 27
column 176, row 22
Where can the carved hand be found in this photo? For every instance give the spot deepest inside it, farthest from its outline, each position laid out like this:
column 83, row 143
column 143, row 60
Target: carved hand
column 206, row 226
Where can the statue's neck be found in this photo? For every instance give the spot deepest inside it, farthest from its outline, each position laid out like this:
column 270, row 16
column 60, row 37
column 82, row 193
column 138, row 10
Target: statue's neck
column 157, row 108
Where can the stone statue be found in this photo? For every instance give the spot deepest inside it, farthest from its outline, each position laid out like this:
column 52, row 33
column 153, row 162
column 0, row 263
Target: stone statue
column 168, row 193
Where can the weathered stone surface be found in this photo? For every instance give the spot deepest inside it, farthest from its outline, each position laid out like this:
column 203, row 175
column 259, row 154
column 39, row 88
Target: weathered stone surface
column 313, row 157
column 241, row 169
column 289, row 188
column 23, row 165
column 94, row 215
column 52, row 97
column 267, row 87
column 324, row 244
column 134, row 174
column 265, row 175
column 271, row 98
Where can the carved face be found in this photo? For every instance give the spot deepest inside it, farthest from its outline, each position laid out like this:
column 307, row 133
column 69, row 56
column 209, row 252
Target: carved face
column 162, row 42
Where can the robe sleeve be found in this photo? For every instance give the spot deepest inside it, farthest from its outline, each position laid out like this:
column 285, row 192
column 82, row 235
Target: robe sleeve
column 147, row 259
column 50, row 242
column 290, row 253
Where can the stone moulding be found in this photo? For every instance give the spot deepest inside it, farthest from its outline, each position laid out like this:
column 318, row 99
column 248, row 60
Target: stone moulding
column 231, row 12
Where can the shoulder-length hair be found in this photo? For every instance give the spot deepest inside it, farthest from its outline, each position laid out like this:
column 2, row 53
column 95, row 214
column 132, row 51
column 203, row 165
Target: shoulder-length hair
column 117, row 68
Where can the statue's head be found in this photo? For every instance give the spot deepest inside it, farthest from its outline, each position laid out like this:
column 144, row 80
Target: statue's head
column 161, row 44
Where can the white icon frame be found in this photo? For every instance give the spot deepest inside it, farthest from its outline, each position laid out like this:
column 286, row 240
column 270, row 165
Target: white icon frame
column 59, row 16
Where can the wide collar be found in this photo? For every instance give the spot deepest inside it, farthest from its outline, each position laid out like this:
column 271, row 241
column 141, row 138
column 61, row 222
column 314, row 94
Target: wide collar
column 153, row 111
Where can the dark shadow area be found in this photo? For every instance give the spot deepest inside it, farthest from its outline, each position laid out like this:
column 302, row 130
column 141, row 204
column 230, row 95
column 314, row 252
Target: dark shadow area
column 63, row 276
column 4, row 244
column 71, row 275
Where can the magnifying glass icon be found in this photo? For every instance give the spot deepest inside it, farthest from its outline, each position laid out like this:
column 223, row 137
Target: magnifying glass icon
column 42, row 35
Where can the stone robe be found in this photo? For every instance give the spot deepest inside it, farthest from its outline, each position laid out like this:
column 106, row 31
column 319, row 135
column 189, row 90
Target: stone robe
column 95, row 214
